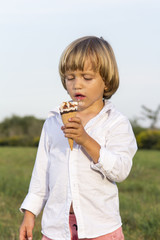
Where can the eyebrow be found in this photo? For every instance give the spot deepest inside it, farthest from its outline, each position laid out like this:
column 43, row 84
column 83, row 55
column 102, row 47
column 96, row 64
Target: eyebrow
column 82, row 73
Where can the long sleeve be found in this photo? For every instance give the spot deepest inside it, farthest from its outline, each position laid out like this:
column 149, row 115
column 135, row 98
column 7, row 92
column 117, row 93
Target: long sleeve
column 38, row 189
column 115, row 160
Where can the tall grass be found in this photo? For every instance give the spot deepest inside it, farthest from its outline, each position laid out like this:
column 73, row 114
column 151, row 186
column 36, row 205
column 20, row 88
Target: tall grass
column 139, row 194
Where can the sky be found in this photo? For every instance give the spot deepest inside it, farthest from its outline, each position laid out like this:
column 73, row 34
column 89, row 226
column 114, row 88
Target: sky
column 34, row 33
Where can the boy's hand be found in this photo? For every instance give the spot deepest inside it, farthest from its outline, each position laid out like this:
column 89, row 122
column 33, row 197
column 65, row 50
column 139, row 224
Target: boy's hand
column 25, row 232
column 75, row 130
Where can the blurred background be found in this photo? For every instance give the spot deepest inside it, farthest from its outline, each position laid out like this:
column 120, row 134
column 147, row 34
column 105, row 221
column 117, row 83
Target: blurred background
column 35, row 33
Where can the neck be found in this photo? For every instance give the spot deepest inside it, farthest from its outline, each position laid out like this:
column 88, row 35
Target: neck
column 88, row 113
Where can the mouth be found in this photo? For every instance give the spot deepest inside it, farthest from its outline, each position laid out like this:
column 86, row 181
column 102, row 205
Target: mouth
column 79, row 96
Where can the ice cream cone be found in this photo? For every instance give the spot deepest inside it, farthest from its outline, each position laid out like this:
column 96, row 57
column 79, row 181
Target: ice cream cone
column 65, row 118
column 68, row 110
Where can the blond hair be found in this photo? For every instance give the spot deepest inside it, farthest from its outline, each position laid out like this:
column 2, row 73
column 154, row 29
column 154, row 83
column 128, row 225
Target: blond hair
column 101, row 56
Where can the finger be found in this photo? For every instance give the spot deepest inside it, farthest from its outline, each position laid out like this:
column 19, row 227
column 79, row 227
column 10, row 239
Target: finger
column 75, row 119
column 29, row 234
column 72, row 125
column 70, row 135
column 22, row 234
column 70, row 131
column 21, row 237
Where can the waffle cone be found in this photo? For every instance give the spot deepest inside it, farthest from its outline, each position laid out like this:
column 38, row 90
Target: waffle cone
column 65, row 118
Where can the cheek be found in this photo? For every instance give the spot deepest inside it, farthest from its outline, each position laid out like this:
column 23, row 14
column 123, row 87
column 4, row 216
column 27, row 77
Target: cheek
column 69, row 89
column 98, row 89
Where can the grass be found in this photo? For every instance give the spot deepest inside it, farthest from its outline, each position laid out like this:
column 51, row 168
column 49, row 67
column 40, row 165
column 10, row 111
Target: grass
column 15, row 172
column 140, row 198
column 139, row 194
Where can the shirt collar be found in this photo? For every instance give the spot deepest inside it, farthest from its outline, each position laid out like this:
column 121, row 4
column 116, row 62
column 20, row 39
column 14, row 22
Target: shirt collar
column 108, row 106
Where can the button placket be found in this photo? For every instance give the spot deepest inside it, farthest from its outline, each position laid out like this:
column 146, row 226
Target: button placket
column 74, row 187
column 73, row 175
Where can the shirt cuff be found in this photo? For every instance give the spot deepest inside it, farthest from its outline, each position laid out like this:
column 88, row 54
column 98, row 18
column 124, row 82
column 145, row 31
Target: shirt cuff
column 32, row 203
column 105, row 163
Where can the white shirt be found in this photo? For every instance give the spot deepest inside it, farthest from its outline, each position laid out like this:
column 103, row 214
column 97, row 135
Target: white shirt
column 61, row 176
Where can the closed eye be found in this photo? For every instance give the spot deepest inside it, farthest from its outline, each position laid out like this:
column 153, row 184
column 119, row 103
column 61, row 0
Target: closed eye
column 87, row 77
column 69, row 78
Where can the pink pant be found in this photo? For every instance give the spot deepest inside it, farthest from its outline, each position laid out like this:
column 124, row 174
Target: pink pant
column 116, row 235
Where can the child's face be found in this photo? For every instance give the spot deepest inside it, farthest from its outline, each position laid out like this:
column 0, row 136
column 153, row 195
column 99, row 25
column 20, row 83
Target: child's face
column 86, row 87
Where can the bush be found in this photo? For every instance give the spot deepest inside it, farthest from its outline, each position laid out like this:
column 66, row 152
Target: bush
column 4, row 142
column 36, row 141
column 19, row 141
column 138, row 129
column 20, row 131
column 21, row 126
column 149, row 139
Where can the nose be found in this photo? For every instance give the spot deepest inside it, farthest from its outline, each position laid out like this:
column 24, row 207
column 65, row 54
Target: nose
column 77, row 83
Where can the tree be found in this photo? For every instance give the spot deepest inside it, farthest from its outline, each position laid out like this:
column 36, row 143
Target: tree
column 152, row 115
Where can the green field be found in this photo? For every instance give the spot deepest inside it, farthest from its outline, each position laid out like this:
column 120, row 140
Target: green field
column 139, row 194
